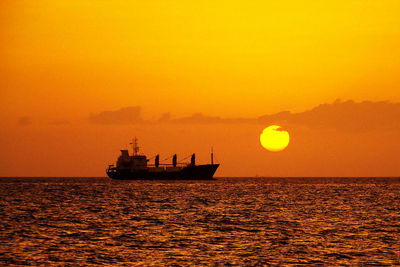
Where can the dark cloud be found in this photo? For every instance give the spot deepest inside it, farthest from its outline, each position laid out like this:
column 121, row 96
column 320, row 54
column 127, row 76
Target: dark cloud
column 343, row 115
column 202, row 119
column 24, row 121
column 128, row 115
column 132, row 115
column 165, row 117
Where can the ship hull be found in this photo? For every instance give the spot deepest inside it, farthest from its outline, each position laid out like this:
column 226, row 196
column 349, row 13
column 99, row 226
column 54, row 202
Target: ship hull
column 197, row 172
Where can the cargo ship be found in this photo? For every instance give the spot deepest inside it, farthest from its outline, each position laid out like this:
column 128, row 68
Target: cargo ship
column 137, row 167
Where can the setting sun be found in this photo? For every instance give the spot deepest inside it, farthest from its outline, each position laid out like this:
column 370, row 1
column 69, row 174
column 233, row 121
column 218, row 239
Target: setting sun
column 273, row 138
column 79, row 79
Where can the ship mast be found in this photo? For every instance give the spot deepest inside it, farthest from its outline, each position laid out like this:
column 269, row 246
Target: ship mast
column 212, row 156
column 135, row 146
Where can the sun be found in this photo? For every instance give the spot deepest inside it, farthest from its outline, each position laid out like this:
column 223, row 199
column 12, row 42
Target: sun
column 273, row 138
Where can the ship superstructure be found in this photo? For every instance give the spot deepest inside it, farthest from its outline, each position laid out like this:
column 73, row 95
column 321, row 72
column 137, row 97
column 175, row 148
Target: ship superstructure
column 136, row 167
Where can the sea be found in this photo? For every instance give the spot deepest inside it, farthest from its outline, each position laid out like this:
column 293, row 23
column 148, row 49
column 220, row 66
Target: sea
column 225, row 222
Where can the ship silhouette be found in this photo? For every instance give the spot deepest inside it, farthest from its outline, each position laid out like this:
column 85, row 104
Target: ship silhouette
column 136, row 167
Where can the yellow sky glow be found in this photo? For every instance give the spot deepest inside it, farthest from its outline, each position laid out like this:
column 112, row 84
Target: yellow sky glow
column 266, row 54
column 63, row 60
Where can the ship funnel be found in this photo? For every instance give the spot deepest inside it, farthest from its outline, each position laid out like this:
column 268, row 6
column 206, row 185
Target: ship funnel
column 193, row 160
column 157, row 161
column 174, row 160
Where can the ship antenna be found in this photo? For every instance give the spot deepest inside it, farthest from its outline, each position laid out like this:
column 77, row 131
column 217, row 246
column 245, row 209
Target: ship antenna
column 212, row 156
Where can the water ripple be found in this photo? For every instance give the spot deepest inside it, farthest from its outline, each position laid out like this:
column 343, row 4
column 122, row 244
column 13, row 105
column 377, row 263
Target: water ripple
column 225, row 222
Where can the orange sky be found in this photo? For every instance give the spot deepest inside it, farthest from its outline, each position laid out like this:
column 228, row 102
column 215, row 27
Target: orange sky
column 63, row 62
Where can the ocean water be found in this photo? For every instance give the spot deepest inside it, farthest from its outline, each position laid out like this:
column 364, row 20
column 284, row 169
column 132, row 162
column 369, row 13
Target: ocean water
column 230, row 221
